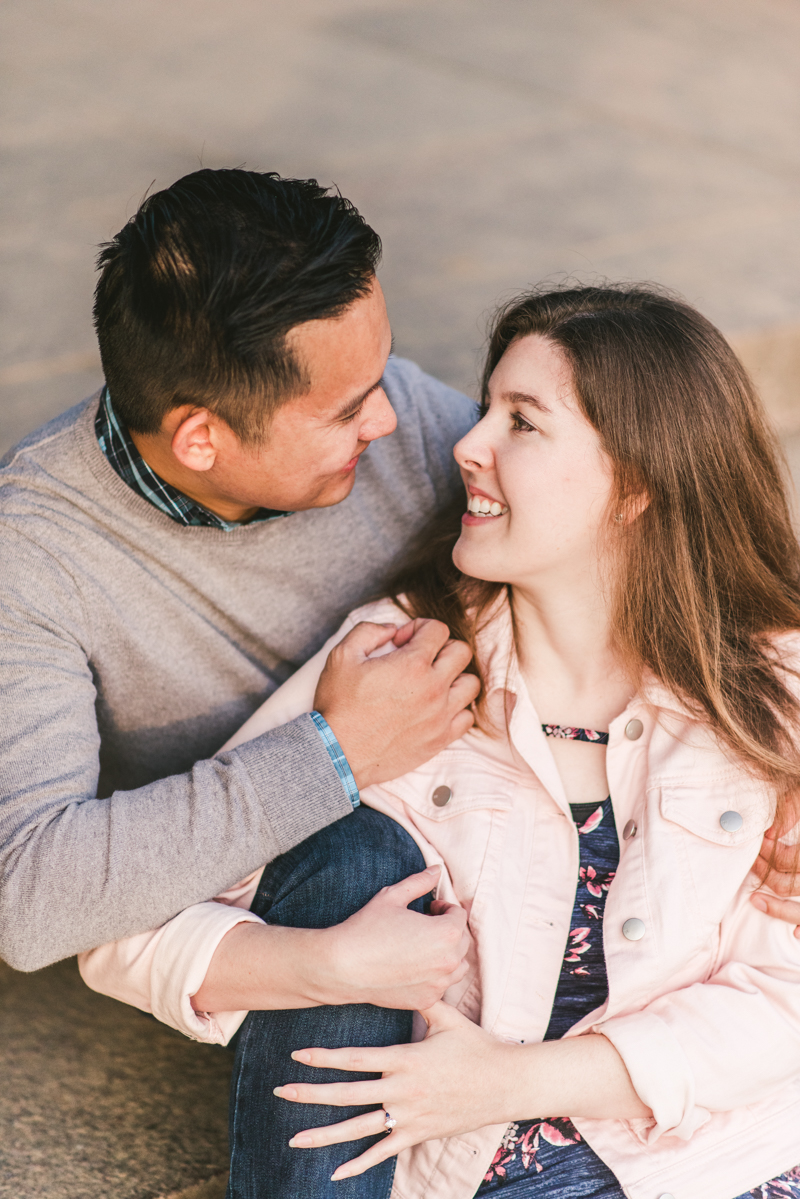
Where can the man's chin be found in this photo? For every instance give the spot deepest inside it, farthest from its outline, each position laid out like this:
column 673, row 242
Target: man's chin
column 331, row 493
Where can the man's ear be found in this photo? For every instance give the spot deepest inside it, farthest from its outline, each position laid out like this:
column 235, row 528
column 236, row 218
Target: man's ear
column 194, row 443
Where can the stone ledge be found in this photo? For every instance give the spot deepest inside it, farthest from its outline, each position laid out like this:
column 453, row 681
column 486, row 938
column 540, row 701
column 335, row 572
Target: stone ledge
column 213, row 1189
column 101, row 1102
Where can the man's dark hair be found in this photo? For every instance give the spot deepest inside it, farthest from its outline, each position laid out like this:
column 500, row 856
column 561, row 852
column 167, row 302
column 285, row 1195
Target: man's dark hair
column 198, row 291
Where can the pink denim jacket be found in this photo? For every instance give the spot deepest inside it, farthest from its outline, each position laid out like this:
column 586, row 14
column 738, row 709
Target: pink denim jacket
column 704, row 1007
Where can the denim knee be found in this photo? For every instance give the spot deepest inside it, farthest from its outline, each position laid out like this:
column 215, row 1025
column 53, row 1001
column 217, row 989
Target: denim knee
column 334, row 873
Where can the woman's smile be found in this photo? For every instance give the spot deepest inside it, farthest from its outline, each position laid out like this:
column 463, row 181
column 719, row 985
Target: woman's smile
column 482, row 508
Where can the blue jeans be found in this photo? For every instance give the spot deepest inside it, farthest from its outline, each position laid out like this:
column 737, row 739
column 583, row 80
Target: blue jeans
column 316, row 885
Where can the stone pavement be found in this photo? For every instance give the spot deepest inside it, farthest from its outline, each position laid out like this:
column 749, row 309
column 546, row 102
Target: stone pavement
column 491, row 143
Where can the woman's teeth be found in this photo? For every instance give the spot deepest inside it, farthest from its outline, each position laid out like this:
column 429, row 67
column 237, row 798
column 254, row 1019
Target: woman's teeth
column 479, row 506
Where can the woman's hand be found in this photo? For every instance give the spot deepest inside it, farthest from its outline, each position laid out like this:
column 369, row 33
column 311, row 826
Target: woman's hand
column 459, row 1079
column 384, row 954
column 456, row 1080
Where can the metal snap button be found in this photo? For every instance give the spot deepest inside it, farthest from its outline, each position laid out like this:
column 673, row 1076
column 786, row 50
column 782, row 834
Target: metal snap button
column 630, row 830
column 666, row 1197
column 634, row 729
column 633, row 929
column 442, row 796
column 731, row 822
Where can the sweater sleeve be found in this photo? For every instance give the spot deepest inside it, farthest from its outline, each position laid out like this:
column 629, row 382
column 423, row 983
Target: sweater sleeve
column 76, row 870
column 159, row 971
column 723, row 1043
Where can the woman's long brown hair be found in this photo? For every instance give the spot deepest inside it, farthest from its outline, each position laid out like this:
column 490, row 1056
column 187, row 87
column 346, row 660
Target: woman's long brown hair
column 711, row 567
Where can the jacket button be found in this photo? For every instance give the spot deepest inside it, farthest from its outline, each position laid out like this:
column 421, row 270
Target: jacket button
column 633, row 929
column 442, row 796
column 629, row 830
column 731, row 822
column 666, row 1197
column 634, row 729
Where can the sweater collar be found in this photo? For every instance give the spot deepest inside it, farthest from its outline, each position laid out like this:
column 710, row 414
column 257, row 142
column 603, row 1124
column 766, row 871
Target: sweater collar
column 120, row 449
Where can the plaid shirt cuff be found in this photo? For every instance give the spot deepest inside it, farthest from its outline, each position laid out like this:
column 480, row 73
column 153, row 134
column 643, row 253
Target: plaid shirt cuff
column 336, row 755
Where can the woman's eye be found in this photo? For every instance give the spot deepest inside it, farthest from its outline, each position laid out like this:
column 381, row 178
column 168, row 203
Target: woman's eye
column 520, row 425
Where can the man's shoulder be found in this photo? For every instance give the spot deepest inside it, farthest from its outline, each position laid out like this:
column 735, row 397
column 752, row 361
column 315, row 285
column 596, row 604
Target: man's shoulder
column 410, row 387
column 46, row 442
column 431, row 418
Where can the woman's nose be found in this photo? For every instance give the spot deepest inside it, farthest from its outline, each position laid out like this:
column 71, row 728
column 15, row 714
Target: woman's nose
column 473, row 450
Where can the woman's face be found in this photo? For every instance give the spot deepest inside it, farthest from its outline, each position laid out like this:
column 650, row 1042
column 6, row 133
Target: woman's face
column 538, row 462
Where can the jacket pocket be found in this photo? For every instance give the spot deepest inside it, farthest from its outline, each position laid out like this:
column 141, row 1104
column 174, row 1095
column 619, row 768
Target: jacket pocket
column 725, row 809
column 455, row 782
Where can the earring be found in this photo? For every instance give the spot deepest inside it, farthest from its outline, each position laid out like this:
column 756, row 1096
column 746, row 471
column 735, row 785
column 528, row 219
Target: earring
column 618, row 516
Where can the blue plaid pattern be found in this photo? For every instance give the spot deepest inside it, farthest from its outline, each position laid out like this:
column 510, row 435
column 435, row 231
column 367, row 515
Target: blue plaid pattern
column 336, row 754
column 117, row 445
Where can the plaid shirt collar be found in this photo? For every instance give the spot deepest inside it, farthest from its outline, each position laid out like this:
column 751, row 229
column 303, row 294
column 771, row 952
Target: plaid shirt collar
column 118, row 447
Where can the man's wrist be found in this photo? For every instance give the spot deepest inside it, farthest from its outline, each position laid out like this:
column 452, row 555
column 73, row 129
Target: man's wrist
column 337, row 757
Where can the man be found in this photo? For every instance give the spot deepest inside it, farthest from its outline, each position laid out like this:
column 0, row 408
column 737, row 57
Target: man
column 176, row 546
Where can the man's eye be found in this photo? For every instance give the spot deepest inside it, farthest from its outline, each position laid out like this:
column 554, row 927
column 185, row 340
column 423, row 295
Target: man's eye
column 347, row 419
column 520, row 425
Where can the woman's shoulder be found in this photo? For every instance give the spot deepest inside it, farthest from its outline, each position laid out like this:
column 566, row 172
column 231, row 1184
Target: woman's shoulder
column 380, row 611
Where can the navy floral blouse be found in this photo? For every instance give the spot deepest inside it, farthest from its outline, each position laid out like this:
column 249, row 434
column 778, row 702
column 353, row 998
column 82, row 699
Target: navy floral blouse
column 547, row 1157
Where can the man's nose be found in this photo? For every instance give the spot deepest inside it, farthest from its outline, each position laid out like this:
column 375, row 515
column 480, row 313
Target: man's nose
column 379, row 419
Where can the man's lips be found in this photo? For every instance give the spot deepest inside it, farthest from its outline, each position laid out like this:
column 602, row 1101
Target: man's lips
column 353, row 463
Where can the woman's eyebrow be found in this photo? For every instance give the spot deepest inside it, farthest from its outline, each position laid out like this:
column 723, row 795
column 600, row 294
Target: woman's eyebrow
column 521, row 397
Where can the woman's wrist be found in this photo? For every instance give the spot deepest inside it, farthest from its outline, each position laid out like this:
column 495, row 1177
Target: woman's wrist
column 258, row 967
column 577, row 1076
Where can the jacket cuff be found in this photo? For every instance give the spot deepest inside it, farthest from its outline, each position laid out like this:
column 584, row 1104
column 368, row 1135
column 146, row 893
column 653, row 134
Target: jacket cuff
column 292, row 773
column 660, row 1073
column 181, row 963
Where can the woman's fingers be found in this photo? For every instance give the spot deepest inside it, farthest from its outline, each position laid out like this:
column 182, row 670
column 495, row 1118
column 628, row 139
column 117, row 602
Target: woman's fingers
column 339, row 1094
column 367, row 1125
column 375, row 1154
column 363, row 1059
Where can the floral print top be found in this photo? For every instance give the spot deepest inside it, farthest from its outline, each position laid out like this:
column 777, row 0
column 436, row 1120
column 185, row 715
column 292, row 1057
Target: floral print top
column 547, row 1156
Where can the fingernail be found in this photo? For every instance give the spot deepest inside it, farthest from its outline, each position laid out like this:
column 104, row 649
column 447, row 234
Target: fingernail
column 301, row 1055
column 301, row 1141
column 432, row 870
column 285, row 1092
column 339, row 1176
column 797, row 932
column 758, row 901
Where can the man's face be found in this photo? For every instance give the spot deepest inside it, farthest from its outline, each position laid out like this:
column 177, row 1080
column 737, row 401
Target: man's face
column 314, row 441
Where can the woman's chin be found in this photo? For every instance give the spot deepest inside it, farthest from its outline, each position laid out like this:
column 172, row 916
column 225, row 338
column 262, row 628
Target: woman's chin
column 473, row 561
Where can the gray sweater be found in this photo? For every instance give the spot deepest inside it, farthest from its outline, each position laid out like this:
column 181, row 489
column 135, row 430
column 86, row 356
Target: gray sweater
column 131, row 647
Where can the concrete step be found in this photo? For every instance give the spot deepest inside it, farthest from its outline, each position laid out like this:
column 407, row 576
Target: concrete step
column 100, row 1102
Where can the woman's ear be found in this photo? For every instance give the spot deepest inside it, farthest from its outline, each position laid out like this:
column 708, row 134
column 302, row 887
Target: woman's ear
column 629, row 509
column 194, row 442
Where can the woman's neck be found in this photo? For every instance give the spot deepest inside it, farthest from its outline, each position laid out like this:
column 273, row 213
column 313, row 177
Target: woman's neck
column 573, row 676
column 567, row 655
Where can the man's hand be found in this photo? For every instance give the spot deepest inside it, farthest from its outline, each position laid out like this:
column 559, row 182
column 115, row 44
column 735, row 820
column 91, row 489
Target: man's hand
column 777, row 867
column 391, row 714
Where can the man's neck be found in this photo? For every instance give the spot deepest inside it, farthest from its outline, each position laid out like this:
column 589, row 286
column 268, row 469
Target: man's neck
column 157, row 453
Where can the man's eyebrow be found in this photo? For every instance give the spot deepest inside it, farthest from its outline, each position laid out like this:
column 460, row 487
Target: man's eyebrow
column 522, row 397
column 351, row 406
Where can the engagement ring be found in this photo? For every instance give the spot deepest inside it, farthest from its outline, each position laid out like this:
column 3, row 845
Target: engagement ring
column 388, row 1122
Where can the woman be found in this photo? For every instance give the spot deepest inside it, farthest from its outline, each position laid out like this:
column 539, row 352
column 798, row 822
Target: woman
column 628, row 575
